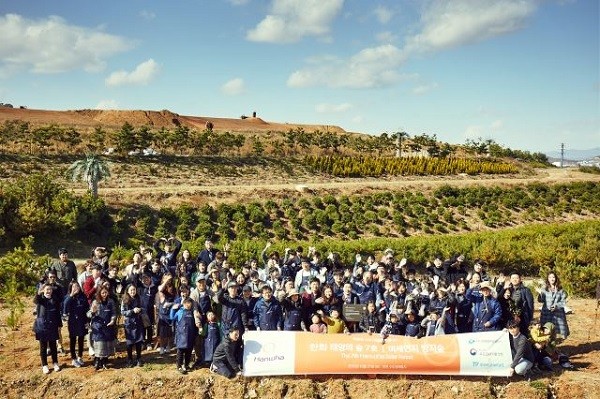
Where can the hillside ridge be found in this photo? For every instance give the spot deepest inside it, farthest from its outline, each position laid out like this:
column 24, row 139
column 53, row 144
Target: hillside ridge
column 89, row 118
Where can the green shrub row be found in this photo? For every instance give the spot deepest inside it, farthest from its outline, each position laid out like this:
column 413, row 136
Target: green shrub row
column 345, row 166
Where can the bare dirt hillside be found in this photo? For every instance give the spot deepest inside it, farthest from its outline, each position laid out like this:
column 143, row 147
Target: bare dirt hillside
column 21, row 376
column 88, row 118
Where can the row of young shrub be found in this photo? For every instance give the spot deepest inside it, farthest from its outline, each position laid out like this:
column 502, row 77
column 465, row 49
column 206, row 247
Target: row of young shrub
column 389, row 214
column 345, row 166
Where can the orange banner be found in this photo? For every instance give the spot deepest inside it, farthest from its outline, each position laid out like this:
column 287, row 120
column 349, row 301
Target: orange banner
column 363, row 353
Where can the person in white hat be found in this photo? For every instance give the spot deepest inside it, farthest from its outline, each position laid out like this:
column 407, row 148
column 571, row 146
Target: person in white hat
column 486, row 310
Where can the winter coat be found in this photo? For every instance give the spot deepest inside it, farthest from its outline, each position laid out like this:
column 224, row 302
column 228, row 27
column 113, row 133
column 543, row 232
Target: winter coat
column 484, row 310
column 558, row 317
column 76, row 308
column 107, row 312
column 212, row 338
column 132, row 323
column 293, row 315
column 226, row 354
column 371, row 322
column 234, row 312
column 268, row 316
column 185, row 328
column 47, row 321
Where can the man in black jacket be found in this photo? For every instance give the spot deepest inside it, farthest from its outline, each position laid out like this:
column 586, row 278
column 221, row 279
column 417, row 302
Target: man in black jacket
column 225, row 357
column 522, row 353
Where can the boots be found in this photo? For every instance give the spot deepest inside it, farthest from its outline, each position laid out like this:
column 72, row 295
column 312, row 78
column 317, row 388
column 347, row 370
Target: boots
column 97, row 363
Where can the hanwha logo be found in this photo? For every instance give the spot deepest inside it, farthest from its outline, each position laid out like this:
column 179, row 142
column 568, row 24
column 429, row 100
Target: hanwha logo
column 473, row 351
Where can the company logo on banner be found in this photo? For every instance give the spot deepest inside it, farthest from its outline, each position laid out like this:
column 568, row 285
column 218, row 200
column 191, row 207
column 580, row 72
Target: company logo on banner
column 287, row 353
column 269, row 352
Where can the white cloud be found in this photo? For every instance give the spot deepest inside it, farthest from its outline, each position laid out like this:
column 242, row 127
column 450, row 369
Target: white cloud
column 453, row 23
column 383, row 14
column 358, row 119
column 497, row 124
column 51, row 45
column 234, row 87
column 325, row 108
column 147, row 15
column 386, row 37
column 238, row 2
column 291, row 20
column 107, row 104
column 141, row 75
column 423, row 89
column 371, row 67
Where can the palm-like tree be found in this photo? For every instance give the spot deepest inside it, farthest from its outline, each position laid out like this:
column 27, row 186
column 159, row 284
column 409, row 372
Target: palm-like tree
column 92, row 169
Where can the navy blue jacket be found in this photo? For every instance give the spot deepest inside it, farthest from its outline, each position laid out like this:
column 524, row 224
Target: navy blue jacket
column 268, row 316
column 185, row 327
column 47, row 321
column 76, row 308
column 106, row 312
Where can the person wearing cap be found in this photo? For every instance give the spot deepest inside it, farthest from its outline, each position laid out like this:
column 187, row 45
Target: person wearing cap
column 293, row 312
column 486, row 310
column 65, row 268
column 520, row 347
column 234, row 314
column 268, row 315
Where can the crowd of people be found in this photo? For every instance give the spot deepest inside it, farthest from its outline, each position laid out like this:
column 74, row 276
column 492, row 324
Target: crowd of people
column 201, row 305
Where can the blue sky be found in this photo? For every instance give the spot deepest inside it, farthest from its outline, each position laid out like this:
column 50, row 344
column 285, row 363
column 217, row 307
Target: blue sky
column 522, row 72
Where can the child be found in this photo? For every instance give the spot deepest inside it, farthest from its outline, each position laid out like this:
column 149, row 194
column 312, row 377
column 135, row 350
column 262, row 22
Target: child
column 317, row 326
column 412, row 324
column 392, row 327
column 75, row 308
column 211, row 332
column 434, row 323
column 335, row 325
column 131, row 309
column 186, row 329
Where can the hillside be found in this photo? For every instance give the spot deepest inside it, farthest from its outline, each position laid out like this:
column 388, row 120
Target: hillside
column 88, row 118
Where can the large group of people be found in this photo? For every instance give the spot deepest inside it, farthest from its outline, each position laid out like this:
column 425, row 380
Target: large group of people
column 201, row 306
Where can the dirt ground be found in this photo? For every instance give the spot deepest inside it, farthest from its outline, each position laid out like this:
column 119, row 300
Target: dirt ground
column 21, row 376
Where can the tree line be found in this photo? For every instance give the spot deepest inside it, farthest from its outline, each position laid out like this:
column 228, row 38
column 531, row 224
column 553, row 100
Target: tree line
column 18, row 136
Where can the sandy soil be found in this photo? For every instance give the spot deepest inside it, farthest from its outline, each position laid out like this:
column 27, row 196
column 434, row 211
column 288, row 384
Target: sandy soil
column 21, row 376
